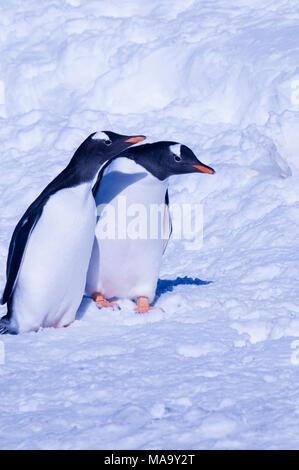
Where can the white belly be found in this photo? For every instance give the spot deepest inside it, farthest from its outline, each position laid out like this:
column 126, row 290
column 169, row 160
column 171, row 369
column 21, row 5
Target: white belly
column 52, row 276
column 127, row 268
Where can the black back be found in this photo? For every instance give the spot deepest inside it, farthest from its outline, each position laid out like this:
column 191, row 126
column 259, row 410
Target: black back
column 26, row 225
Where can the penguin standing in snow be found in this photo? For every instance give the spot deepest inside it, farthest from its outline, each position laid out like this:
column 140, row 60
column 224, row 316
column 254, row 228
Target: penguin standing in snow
column 51, row 245
column 123, row 267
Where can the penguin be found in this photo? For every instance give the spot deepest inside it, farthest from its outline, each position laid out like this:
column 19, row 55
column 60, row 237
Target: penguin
column 51, row 245
column 122, row 267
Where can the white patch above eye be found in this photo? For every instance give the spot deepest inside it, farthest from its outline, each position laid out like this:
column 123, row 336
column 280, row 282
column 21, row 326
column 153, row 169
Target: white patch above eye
column 100, row 136
column 176, row 149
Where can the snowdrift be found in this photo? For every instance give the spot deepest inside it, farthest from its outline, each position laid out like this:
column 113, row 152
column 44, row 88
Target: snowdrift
column 217, row 367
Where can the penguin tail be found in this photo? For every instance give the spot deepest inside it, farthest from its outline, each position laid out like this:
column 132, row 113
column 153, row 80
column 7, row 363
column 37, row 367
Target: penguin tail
column 3, row 329
column 4, row 325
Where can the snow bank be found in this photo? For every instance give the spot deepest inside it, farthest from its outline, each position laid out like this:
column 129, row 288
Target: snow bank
column 211, row 366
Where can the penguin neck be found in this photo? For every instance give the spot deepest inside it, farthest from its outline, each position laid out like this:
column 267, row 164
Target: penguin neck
column 80, row 171
column 147, row 161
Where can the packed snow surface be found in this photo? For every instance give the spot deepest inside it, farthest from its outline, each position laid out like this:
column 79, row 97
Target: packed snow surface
column 214, row 365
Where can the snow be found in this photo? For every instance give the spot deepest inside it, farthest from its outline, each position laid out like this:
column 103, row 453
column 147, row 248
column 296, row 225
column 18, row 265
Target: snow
column 214, row 364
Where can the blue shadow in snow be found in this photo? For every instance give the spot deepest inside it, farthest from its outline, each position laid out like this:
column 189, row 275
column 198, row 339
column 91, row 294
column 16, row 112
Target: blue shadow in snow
column 163, row 286
column 167, row 285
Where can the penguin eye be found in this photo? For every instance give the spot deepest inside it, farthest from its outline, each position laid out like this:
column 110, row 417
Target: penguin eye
column 177, row 158
column 107, row 142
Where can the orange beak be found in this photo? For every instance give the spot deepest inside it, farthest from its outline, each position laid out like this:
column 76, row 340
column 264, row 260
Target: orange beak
column 204, row 169
column 134, row 140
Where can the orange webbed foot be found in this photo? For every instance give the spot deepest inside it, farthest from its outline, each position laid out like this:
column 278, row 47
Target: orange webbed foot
column 143, row 305
column 101, row 302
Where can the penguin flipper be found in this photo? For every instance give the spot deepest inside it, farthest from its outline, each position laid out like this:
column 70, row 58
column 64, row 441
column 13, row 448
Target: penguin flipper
column 16, row 250
column 167, row 223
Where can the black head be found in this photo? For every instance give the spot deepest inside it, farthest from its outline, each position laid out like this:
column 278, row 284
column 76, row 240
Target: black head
column 164, row 159
column 98, row 148
column 107, row 144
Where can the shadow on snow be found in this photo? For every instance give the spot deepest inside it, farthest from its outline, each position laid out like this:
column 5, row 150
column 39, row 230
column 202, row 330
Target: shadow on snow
column 163, row 286
column 167, row 285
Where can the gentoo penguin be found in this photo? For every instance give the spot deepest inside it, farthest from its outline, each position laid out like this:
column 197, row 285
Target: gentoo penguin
column 51, row 245
column 120, row 266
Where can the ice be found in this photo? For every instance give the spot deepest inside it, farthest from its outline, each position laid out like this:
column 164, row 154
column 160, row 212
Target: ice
column 215, row 362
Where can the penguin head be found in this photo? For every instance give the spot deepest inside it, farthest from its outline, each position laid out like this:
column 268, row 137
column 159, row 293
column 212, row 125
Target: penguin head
column 181, row 159
column 109, row 144
column 96, row 150
column 164, row 159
